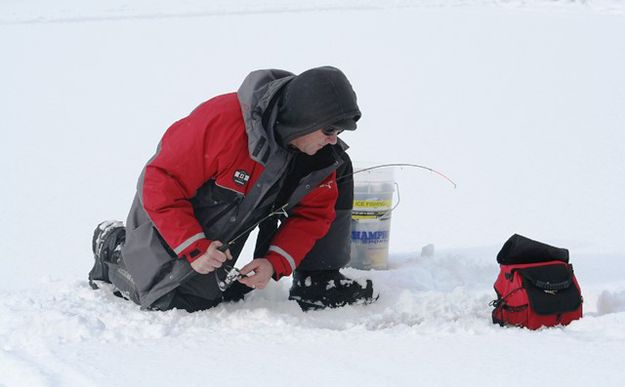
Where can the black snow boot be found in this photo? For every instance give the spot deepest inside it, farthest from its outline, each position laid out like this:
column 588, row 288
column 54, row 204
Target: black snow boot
column 106, row 244
column 329, row 289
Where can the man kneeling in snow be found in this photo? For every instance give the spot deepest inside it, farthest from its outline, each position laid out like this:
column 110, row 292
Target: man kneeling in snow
column 217, row 172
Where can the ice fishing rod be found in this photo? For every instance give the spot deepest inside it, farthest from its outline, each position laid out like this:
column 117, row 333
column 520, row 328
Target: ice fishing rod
column 401, row 165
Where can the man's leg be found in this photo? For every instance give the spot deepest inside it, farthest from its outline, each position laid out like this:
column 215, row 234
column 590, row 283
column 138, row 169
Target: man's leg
column 332, row 252
column 198, row 292
column 317, row 282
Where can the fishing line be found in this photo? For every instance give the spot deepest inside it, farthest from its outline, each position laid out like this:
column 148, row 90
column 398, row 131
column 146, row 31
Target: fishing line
column 400, row 165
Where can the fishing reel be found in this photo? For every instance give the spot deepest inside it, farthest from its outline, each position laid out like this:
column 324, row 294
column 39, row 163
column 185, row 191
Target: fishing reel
column 232, row 274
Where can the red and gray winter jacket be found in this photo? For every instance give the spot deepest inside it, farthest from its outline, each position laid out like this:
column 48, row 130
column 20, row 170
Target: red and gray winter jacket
column 221, row 162
column 211, row 144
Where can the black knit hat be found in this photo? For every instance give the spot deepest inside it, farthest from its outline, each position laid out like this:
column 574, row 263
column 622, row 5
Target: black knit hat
column 317, row 98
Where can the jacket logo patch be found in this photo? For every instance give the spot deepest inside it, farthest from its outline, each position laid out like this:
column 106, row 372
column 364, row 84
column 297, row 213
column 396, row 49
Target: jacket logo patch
column 241, row 177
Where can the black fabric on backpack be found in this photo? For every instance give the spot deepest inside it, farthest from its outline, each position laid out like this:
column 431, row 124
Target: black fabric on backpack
column 550, row 289
column 519, row 250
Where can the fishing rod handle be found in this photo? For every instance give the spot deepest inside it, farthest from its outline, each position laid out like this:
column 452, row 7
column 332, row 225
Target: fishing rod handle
column 223, row 247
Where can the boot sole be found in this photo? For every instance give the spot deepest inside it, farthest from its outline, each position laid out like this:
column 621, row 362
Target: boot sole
column 309, row 305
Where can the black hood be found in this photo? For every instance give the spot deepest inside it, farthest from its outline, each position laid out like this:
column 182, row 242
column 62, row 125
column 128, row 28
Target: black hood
column 318, row 98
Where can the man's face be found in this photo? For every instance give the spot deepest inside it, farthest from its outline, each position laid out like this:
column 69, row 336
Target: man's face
column 312, row 142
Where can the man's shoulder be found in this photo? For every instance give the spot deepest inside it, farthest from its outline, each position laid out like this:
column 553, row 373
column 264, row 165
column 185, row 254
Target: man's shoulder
column 221, row 104
column 220, row 112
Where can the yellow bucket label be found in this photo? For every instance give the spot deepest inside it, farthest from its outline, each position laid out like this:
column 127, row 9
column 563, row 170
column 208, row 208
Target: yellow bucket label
column 372, row 203
column 361, row 217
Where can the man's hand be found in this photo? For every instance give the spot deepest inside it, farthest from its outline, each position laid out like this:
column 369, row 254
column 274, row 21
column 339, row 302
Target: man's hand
column 211, row 259
column 263, row 270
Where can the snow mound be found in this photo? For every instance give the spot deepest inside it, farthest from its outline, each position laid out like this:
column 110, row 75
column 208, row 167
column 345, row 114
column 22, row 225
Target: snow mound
column 611, row 302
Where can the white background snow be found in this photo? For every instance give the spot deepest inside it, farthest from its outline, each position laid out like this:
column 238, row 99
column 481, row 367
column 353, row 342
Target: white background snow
column 522, row 103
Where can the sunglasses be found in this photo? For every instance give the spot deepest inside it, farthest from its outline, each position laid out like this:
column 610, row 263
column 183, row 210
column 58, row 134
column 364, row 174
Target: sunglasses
column 331, row 131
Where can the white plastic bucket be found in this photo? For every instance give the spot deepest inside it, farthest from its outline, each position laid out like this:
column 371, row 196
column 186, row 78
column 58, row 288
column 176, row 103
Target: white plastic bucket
column 371, row 219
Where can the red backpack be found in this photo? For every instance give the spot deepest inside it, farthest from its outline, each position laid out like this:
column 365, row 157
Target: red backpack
column 536, row 286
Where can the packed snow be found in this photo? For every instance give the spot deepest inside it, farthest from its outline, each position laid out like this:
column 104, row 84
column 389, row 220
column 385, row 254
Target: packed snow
column 521, row 103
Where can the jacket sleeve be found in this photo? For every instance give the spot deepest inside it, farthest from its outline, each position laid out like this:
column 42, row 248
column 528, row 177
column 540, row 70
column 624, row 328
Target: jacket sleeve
column 181, row 165
column 308, row 222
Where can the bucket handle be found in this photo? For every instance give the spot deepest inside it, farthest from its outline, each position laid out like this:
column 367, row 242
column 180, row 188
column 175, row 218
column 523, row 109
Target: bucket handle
column 387, row 214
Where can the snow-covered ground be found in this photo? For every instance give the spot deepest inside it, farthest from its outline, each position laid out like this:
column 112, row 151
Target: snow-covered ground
column 522, row 103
